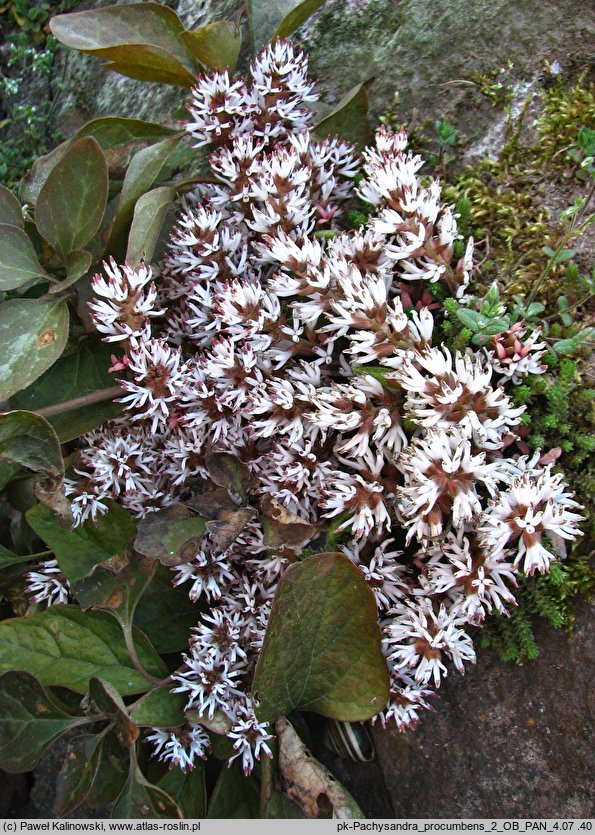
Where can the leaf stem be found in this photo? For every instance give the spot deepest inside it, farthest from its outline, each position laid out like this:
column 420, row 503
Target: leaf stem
column 78, row 402
column 129, row 640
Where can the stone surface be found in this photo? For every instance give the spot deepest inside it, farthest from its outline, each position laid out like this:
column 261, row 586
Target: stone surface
column 506, row 740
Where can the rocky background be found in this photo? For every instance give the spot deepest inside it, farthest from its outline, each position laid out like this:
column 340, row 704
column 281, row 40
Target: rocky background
column 507, row 740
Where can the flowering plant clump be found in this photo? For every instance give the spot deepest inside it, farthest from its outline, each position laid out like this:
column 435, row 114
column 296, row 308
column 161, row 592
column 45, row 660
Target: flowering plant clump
column 285, row 378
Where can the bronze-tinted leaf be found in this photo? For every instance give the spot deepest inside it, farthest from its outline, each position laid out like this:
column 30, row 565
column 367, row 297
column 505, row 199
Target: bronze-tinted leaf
column 269, row 19
column 10, row 209
column 72, row 201
column 228, row 471
column 216, row 45
column 30, row 441
column 108, row 700
column 77, row 773
column 147, row 221
column 77, row 263
column 110, row 775
column 141, row 40
column 140, row 799
column 322, row 650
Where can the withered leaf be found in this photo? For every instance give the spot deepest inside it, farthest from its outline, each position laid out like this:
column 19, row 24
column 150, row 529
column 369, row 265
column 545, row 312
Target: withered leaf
column 228, row 471
column 229, row 526
column 307, row 782
column 210, row 502
column 171, row 535
column 282, row 528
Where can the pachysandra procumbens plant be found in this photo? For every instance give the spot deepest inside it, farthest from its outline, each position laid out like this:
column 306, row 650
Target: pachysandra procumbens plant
column 304, row 358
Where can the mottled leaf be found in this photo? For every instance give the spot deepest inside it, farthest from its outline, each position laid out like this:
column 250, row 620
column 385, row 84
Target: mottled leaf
column 36, row 332
column 171, row 535
column 322, row 649
column 18, row 259
column 282, row 527
column 160, row 708
column 140, row 40
column 30, row 441
column 30, row 721
column 216, row 45
column 148, row 219
column 234, row 795
column 76, row 375
column 230, row 524
column 349, row 119
column 188, row 790
column 226, row 470
column 268, row 19
column 140, row 799
column 79, row 550
column 308, row 782
column 66, row 647
column 72, row 201
column 10, row 209
column 77, row 773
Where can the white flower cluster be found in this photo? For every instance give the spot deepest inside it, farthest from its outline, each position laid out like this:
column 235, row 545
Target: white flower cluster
column 310, row 357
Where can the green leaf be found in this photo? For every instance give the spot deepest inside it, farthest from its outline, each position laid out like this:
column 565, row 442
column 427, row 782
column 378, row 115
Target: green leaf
column 140, row 799
column 7, row 558
column 36, row 332
column 166, row 614
column 234, row 795
column 170, row 535
column 216, row 45
column 471, row 319
column 79, row 550
column 65, row 647
column 160, row 708
column 298, row 15
column 108, row 700
column 34, row 179
column 72, row 201
column 28, row 440
column 111, row 773
column 115, row 132
column 82, row 372
column 18, row 259
column 77, row 773
column 148, row 219
column 7, row 473
column 280, row 806
column 142, row 173
column 140, row 40
column 268, row 19
column 30, row 721
column 10, row 209
column 188, row 790
column 322, row 650
column 77, row 263
column 349, row 119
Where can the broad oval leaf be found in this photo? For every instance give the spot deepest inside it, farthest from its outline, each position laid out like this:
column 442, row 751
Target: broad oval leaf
column 18, row 259
column 216, row 45
column 322, row 650
column 30, row 721
column 268, row 19
column 35, row 333
column 166, row 614
column 28, row 440
column 349, row 119
column 112, row 132
column 79, row 550
column 140, row 799
column 170, row 535
column 148, row 219
column 77, row 773
column 111, row 773
column 72, row 201
column 139, row 40
column 234, row 795
column 81, row 373
column 65, row 647
column 10, row 209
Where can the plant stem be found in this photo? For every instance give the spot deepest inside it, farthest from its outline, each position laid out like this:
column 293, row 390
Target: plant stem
column 79, row 402
column 128, row 639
